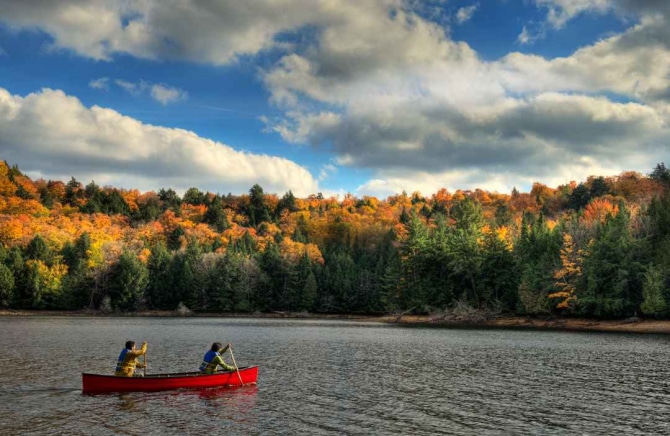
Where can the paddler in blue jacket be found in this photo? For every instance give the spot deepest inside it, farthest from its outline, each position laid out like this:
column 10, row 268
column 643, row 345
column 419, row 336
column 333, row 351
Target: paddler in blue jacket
column 125, row 367
column 213, row 359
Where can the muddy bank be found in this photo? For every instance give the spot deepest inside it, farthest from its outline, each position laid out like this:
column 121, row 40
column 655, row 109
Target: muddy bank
column 633, row 325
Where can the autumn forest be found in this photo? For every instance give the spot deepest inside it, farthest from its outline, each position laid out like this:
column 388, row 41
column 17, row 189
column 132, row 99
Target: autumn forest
column 599, row 248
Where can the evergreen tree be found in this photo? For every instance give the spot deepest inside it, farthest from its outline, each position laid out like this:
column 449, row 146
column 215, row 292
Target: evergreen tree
column 46, row 197
column 287, row 202
column 22, row 193
column 127, row 282
column 654, row 293
column 659, row 215
column 258, row 211
column 215, row 216
column 115, row 204
column 14, row 261
column 612, row 271
column 580, row 197
column 14, row 172
column 192, row 286
column 6, row 286
column 282, row 279
column 37, row 249
column 309, row 293
column 248, row 284
column 464, row 256
column 337, row 282
column 465, row 260
column 195, row 197
column 73, row 192
column 160, row 287
column 404, row 217
column 387, row 271
column 220, row 290
column 437, row 271
column 412, row 252
column 170, row 200
column 92, row 190
column 661, row 174
column 500, row 276
column 599, row 187
column 468, row 215
column 247, row 245
column 77, row 285
column 95, row 199
column 298, row 236
column 537, row 253
column 503, row 215
column 174, row 239
column 181, row 275
column 272, row 267
column 149, row 210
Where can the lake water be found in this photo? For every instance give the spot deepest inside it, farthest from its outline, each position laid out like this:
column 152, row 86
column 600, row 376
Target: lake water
column 332, row 377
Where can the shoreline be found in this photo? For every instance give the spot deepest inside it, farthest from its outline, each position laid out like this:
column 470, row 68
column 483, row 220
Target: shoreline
column 510, row 322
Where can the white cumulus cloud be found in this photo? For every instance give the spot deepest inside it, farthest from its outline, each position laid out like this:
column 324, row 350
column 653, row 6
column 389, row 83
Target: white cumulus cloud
column 101, row 83
column 465, row 13
column 166, row 94
column 58, row 136
column 561, row 11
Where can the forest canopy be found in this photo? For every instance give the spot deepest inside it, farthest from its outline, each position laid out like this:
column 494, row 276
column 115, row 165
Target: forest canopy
column 598, row 248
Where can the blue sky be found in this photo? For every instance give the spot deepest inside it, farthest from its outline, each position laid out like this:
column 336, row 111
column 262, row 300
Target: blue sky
column 334, row 96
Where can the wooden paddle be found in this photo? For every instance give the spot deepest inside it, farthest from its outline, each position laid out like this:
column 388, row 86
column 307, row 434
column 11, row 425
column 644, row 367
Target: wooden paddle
column 145, row 363
column 230, row 348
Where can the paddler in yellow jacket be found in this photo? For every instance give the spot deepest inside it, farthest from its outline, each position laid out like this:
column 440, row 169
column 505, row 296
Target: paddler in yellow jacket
column 125, row 367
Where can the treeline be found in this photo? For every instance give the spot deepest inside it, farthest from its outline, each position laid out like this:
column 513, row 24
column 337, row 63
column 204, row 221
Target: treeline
column 600, row 248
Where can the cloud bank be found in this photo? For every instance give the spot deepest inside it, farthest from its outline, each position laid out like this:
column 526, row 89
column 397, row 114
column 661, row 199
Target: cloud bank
column 415, row 104
column 386, row 89
column 62, row 138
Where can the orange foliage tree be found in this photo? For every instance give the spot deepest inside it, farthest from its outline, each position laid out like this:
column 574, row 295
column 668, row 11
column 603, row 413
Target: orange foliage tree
column 598, row 210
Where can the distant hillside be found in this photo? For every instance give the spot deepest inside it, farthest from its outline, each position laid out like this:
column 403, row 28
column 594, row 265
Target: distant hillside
column 600, row 248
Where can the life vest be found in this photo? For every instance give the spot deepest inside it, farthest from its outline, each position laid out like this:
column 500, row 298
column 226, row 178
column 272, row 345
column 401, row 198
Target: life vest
column 122, row 359
column 206, row 365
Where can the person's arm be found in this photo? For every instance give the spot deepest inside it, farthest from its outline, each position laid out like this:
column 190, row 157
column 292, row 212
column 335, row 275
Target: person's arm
column 139, row 352
column 219, row 361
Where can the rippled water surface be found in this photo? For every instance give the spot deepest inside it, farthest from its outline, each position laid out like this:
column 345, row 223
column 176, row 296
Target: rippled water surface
column 330, row 377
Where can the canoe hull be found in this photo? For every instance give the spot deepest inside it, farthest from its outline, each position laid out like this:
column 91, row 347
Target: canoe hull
column 97, row 383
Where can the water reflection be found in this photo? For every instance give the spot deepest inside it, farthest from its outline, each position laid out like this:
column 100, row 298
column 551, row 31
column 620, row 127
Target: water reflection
column 235, row 405
column 244, row 394
column 126, row 402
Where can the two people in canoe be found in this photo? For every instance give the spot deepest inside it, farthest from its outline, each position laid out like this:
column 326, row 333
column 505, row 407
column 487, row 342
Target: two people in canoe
column 213, row 359
column 125, row 367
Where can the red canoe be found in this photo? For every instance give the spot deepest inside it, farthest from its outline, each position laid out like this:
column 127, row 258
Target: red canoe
column 97, row 383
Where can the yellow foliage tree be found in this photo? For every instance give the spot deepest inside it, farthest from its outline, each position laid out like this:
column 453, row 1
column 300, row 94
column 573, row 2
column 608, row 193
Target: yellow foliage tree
column 567, row 276
column 293, row 251
column 7, row 188
column 49, row 280
column 16, row 206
